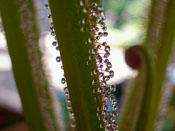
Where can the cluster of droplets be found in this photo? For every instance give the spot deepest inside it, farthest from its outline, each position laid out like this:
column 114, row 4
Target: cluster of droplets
column 63, row 79
column 100, row 53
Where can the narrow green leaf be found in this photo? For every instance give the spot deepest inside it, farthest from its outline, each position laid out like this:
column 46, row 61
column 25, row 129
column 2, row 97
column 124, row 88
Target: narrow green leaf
column 142, row 116
column 156, row 19
column 165, row 50
column 138, row 100
column 67, row 16
column 162, row 52
column 19, row 22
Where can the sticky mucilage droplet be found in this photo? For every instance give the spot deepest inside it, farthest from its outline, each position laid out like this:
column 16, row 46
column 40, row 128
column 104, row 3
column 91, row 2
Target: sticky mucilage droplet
column 58, row 58
column 63, row 80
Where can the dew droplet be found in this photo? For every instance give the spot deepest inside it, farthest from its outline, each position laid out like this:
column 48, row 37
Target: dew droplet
column 99, row 58
column 112, row 87
column 52, row 33
column 96, row 29
column 104, row 112
column 83, row 29
column 109, row 91
column 114, row 107
column 49, row 16
column 101, row 125
column 106, row 61
column 101, row 66
column 88, row 62
column 104, row 28
column 71, row 114
column 111, row 97
column 65, row 89
column 111, row 73
column 114, row 125
column 66, row 93
column 94, row 90
column 107, row 128
column 85, row 10
column 105, row 34
column 57, row 48
column 58, row 58
column 98, row 47
column 100, row 7
column 96, row 71
column 99, row 113
column 97, row 37
column 69, row 106
column 63, row 80
column 105, row 107
column 105, row 119
column 104, row 44
column 101, row 74
column 55, row 38
column 90, row 40
column 73, row 124
column 96, row 98
column 94, row 81
column 100, row 34
column 102, row 15
column 99, row 118
column 98, row 109
column 46, row 6
column 105, row 97
column 83, row 21
column 94, row 4
column 68, row 100
column 112, row 120
column 106, row 78
column 106, row 55
column 54, row 43
column 51, row 24
column 100, row 21
column 108, row 124
column 100, row 90
column 91, row 11
column 93, row 51
column 51, row 29
column 103, row 83
column 114, row 102
column 81, row 3
column 109, row 65
column 92, row 28
column 92, row 73
column 97, row 15
column 114, row 114
column 102, row 24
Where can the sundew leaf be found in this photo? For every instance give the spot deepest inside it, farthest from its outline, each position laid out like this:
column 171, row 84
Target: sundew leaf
column 72, row 39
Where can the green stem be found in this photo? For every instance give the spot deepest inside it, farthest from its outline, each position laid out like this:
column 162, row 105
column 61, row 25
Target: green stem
column 19, row 22
column 167, row 44
column 138, row 100
column 143, row 115
column 156, row 19
column 74, row 51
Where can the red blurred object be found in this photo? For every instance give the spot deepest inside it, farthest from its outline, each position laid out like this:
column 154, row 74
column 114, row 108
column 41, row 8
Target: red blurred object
column 11, row 121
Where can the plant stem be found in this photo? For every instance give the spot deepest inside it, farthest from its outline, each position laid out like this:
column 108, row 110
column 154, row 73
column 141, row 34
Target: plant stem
column 19, row 22
column 74, row 51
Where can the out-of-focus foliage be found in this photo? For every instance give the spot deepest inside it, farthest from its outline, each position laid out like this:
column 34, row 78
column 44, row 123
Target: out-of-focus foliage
column 126, row 19
column 125, row 11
